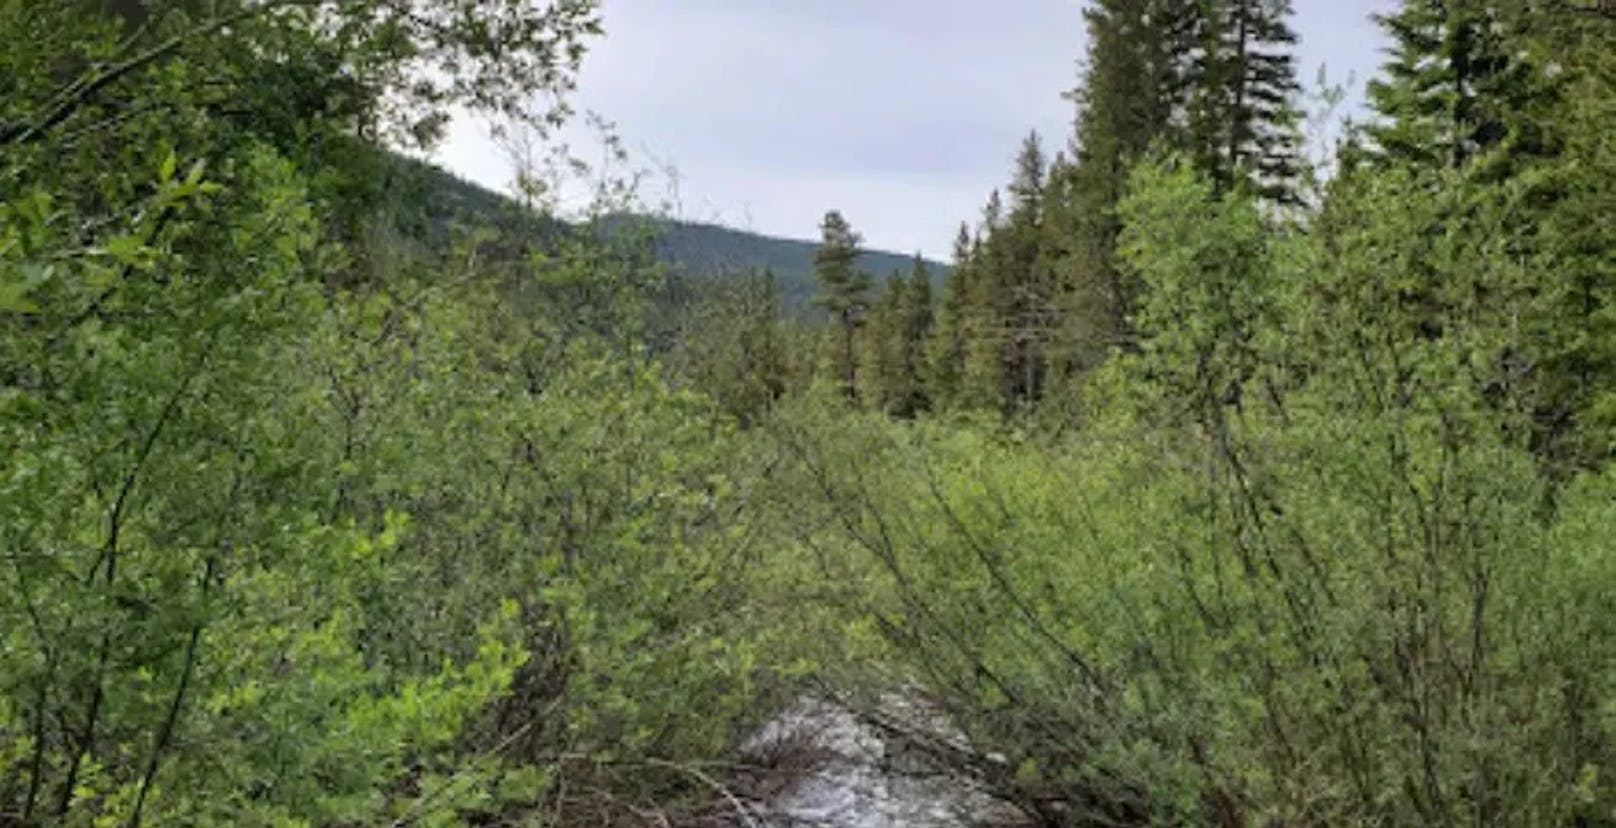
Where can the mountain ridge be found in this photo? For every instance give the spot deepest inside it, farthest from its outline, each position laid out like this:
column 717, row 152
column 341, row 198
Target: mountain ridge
column 715, row 250
column 692, row 249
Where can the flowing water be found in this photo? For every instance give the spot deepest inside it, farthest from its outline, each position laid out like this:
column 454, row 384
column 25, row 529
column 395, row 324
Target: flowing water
column 863, row 779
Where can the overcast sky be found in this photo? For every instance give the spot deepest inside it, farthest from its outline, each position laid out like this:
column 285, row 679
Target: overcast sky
column 903, row 114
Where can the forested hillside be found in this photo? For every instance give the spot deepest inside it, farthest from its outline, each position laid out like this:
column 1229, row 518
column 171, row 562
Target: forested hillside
column 694, row 252
column 1206, row 487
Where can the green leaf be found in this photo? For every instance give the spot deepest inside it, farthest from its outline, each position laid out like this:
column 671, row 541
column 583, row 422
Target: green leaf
column 128, row 250
column 194, row 176
column 13, row 299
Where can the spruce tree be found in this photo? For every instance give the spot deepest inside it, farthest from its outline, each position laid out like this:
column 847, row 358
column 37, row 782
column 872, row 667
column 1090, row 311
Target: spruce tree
column 992, row 214
column 981, row 358
column 1027, row 187
column 1025, row 289
column 1011, row 318
column 945, row 347
column 918, row 317
column 987, row 334
column 763, row 343
column 894, row 344
column 1585, row 360
column 1145, row 60
column 844, row 290
column 1458, row 86
column 1243, row 121
column 882, row 380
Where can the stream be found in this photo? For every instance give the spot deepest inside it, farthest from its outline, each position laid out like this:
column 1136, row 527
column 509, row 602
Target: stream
column 862, row 779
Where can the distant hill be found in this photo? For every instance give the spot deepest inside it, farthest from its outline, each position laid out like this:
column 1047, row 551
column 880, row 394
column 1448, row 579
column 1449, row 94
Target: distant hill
column 692, row 249
column 711, row 250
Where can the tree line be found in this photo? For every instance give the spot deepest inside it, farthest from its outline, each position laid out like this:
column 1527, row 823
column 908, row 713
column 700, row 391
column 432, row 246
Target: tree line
column 1039, row 295
column 1289, row 506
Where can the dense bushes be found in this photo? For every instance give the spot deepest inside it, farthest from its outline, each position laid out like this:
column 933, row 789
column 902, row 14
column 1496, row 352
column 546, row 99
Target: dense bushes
column 1346, row 622
column 310, row 520
column 275, row 550
column 1268, row 583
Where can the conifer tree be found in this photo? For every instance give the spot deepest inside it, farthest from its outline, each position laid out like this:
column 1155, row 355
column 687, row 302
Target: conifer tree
column 765, row 366
column 982, row 378
column 1145, row 58
column 1011, row 313
column 1243, row 121
column 945, row 347
column 981, row 357
column 918, row 318
column 992, row 214
column 882, row 380
column 1027, row 187
column 844, row 290
column 1458, row 85
column 1026, row 295
column 894, row 344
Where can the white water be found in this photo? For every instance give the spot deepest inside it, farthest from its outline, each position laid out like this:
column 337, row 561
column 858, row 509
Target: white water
column 863, row 780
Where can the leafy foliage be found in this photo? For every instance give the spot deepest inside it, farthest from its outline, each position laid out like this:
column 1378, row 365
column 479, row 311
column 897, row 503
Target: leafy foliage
column 322, row 506
column 306, row 499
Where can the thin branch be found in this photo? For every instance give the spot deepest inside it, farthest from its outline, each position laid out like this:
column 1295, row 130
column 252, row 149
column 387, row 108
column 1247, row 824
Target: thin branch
column 418, row 809
column 1596, row 8
column 109, row 556
column 693, row 772
column 171, row 721
column 79, row 93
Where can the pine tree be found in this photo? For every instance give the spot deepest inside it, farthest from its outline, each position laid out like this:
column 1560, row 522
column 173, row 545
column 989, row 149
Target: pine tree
column 1025, row 289
column 882, row 380
column 945, row 347
column 1243, row 121
column 918, row 318
column 1458, row 86
column 844, row 290
column 1145, row 59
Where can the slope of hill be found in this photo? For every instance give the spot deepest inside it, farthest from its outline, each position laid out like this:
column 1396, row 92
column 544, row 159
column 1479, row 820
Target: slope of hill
column 712, row 250
column 693, row 250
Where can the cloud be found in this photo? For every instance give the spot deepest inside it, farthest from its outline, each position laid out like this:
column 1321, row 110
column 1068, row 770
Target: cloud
column 902, row 113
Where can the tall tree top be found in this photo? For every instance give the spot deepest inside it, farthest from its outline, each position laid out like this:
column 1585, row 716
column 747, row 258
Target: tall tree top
column 993, row 213
column 842, row 285
column 1027, row 188
column 1457, row 86
column 962, row 245
column 920, row 280
column 837, row 236
column 1247, row 108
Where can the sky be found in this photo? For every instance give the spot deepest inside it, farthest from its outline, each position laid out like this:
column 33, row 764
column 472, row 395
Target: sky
column 903, row 114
